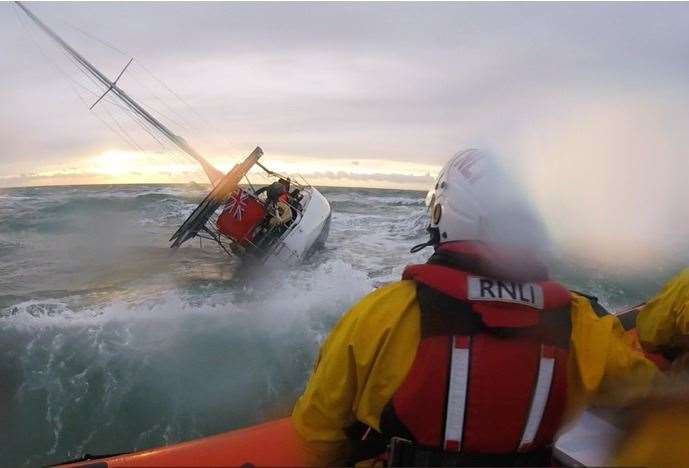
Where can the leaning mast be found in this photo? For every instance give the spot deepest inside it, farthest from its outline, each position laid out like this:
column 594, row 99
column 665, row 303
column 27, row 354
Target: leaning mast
column 213, row 174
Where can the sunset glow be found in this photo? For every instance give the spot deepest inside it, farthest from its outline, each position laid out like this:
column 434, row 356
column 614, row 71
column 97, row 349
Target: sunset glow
column 117, row 166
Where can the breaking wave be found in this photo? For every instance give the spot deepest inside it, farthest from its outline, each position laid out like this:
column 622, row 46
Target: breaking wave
column 127, row 375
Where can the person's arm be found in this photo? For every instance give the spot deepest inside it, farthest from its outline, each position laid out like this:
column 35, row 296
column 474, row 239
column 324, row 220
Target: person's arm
column 663, row 323
column 325, row 408
column 604, row 368
column 360, row 365
column 283, row 214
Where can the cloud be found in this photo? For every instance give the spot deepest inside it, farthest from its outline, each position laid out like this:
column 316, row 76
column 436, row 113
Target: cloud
column 336, row 178
column 349, row 77
column 401, row 179
column 87, row 178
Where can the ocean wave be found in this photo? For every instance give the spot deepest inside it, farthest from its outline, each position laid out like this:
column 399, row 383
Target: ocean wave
column 65, row 214
column 162, row 366
column 112, row 343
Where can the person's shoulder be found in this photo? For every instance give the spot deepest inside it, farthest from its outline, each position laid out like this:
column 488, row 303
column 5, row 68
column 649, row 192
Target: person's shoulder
column 589, row 318
column 579, row 303
column 583, row 301
column 678, row 283
column 683, row 275
column 387, row 302
column 395, row 291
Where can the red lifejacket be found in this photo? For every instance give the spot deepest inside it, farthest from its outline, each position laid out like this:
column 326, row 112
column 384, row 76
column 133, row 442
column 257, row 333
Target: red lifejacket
column 489, row 376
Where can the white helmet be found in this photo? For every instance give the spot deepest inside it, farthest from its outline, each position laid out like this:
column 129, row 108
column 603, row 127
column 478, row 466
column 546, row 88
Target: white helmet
column 474, row 199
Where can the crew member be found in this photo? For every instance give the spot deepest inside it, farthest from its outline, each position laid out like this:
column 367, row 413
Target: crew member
column 475, row 357
column 656, row 430
column 278, row 210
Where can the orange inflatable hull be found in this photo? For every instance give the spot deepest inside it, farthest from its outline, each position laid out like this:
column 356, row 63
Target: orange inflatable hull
column 270, row 444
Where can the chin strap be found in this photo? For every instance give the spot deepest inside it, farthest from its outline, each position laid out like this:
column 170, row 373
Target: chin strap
column 433, row 241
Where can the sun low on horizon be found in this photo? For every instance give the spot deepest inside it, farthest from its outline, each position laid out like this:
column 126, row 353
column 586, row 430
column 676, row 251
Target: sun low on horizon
column 118, row 166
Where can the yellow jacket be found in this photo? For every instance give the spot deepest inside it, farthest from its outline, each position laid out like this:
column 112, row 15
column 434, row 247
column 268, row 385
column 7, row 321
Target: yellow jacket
column 664, row 321
column 370, row 351
column 658, row 434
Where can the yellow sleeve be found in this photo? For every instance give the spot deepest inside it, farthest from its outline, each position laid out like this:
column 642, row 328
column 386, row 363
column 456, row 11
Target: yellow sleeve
column 360, row 365
column 664, row 320
column 603, row 368
column 657, row 435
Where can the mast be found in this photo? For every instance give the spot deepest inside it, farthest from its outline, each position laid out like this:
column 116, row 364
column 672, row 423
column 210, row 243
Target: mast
column 213, row 174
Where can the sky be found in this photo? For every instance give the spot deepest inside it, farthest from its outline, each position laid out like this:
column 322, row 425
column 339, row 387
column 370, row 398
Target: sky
column 588, row 101
column 361, row 93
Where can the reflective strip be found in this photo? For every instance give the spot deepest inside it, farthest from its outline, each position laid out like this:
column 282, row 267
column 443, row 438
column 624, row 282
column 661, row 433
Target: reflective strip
column 457, row 392
column 540, row 397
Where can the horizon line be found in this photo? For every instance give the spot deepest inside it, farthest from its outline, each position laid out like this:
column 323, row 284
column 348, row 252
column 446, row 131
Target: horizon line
column 195, row 183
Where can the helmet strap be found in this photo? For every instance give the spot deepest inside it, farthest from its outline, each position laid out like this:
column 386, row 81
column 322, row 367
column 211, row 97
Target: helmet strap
column 433, row 241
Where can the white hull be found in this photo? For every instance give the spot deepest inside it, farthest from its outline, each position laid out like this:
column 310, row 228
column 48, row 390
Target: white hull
column 309, row 231
column 590, row 442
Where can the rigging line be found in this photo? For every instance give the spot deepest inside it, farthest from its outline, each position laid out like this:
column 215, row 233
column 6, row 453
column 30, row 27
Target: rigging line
column 120, row 131
column 182, row 120
column 130, row 138
column 212, row 173
column 98, row 84
column 246, row 177
column 148, row 107
column 131, row 143
column 167, row 148
column 273, row 173
column 143, row 124
column 107, row 99
column 80, row 67
column 171, row 151
column 74, row 84
column 120, row 51
column 116, row 49
column 51, row 61
column 189, row 106
column 90, row 36
column 152, row 131
column 138, row 119
column 154, row 110
column 117, row 104
column 110, row 88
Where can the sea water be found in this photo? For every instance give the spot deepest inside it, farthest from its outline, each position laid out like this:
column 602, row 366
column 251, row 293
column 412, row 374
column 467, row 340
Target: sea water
column 111, row 342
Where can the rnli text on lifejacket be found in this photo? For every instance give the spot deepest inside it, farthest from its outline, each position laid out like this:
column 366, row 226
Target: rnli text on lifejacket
column 488, row 289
